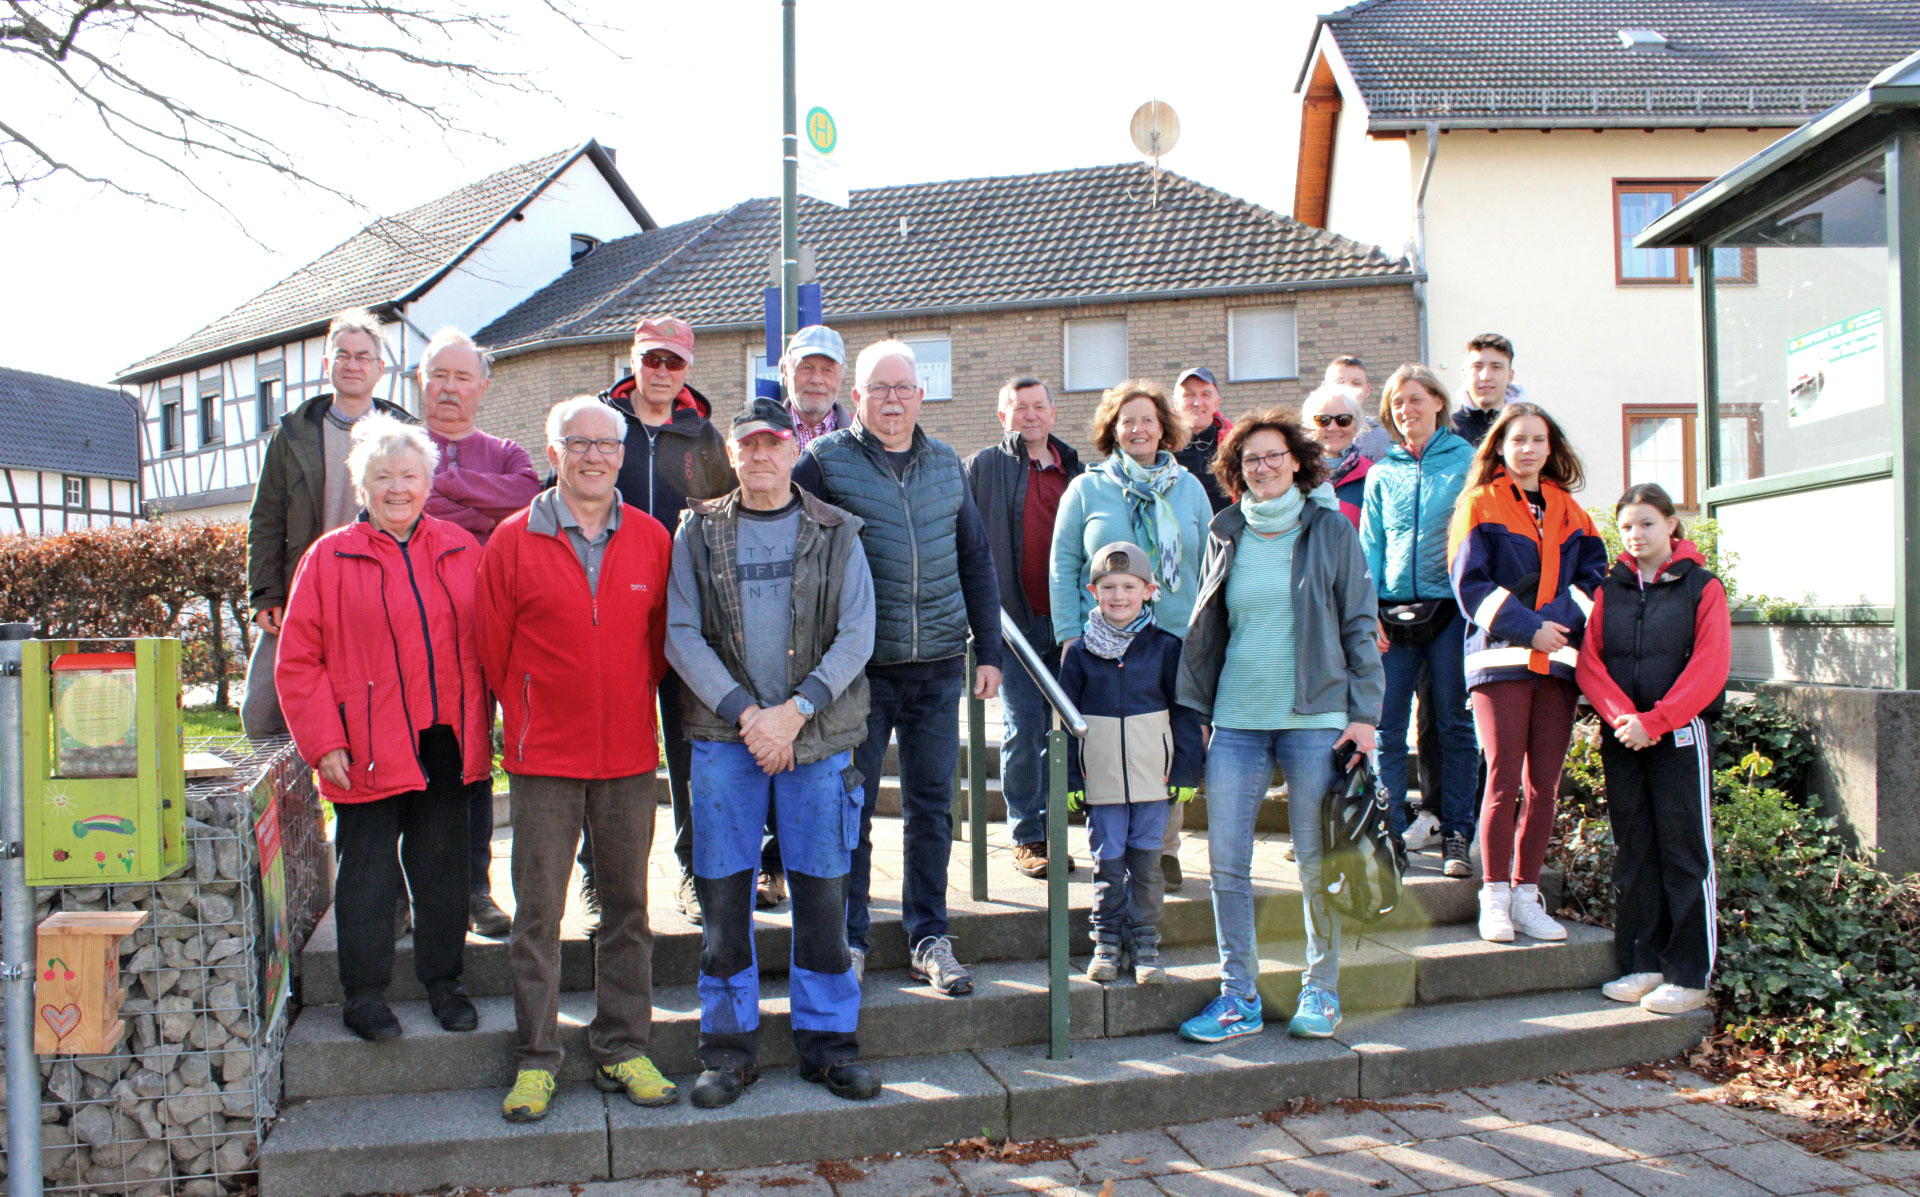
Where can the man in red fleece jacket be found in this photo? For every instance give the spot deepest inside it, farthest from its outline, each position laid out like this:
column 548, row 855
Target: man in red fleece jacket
column 572, row 613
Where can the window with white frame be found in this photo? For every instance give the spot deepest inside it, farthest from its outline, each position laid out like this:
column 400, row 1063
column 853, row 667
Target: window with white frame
column 1096, row 353
column 1261, row 343
column 173, row 429
column 933, row 355
column 758, row 370
column 76, row 491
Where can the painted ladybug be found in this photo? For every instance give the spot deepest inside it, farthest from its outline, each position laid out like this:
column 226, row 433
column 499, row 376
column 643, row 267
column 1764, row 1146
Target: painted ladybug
column 61, row 854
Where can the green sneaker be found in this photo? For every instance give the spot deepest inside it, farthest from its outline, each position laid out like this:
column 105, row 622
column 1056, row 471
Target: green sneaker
column 530, row 1096
column 642, row 1081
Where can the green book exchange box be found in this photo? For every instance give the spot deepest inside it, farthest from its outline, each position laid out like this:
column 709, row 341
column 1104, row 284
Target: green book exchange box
column 104, row 762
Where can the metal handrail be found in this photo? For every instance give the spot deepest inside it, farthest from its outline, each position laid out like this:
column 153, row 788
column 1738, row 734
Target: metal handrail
column 1043, row 677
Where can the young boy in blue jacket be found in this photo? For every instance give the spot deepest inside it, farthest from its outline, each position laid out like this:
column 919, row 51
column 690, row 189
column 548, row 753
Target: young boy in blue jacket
column 1142, row 749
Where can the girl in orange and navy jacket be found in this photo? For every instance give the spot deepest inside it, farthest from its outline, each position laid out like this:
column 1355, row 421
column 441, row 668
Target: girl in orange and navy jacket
column 1525, row 561
column 1655, row 668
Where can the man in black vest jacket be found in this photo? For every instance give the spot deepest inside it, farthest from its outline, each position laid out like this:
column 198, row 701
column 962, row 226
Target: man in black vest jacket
column 933, row 582
column 1017, row 485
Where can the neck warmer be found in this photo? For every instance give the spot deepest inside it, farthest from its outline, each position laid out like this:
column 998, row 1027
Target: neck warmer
column 1278, row 514
column 1105, row 640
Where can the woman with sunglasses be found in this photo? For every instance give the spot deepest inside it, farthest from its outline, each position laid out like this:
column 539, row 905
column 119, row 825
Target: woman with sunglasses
column 1332, row 416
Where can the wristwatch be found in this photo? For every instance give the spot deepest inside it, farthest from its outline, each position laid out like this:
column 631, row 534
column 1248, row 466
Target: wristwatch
column 801, row 705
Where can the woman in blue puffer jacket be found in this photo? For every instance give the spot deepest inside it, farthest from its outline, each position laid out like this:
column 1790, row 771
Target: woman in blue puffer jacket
column 1409, row 503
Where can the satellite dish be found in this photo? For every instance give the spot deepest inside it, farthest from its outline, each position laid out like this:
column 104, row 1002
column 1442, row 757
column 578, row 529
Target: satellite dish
column 1155, row 128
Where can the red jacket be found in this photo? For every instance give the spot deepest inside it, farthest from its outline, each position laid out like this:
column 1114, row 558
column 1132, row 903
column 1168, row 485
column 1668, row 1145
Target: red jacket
column 354, row 669
column 575, row 670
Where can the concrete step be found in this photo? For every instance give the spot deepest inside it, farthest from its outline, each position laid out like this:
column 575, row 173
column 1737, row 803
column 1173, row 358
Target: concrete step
column 901, row 1017
column 1011, row 925
column 397, row 1143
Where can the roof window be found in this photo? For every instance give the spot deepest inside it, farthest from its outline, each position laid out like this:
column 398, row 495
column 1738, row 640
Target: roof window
column 583, row 245
column 1643, row 39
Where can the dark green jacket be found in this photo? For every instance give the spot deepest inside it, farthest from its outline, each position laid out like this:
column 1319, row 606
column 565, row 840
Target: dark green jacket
column 820, row 561
column 287, row 500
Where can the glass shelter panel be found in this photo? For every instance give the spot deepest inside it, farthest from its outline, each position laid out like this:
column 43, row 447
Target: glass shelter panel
column 1820, row 548
column 1800, row 348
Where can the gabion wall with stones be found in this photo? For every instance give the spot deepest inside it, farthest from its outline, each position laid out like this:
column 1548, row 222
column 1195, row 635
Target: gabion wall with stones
column 180, row 1107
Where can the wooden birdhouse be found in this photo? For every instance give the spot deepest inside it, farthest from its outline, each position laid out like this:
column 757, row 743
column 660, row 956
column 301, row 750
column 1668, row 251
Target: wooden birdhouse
column 76, row 985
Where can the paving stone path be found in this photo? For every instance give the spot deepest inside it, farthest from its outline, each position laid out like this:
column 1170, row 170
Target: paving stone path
column 1601, row 1134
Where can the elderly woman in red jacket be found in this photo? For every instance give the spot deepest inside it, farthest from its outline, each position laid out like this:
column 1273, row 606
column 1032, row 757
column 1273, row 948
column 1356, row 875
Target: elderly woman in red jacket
column 379, row 676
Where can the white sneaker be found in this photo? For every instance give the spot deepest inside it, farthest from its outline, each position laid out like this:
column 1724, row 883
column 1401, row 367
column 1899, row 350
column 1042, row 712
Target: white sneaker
column 1424, row 832
column 1530, row 916
column 1673, row 999
column 1632, row 987
column 1496, row 915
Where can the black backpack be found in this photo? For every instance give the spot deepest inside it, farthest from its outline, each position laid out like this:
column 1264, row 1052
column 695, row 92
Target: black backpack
column 1359, row 872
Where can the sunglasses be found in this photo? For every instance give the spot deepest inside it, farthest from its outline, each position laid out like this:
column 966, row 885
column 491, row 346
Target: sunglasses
column 1325, row 421
column 657, row 359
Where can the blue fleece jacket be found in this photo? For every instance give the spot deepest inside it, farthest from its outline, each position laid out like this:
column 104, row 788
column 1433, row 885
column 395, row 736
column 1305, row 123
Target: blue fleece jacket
column 1403, row 520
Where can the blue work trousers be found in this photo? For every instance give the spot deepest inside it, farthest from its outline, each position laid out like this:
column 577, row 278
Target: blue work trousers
column 818, row 817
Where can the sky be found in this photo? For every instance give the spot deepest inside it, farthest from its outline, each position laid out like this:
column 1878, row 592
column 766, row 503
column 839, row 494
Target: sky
column 689, row 96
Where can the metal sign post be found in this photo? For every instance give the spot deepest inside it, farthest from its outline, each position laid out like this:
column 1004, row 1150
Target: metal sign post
column 17, row 932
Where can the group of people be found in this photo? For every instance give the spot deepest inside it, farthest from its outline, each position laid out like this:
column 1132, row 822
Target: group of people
column 1219, row 598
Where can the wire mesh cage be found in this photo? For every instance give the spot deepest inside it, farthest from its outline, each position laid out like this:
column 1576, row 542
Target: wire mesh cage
column 180, row 1106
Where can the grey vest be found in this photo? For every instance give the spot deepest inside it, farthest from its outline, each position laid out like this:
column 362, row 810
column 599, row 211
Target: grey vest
column 819, row 565
column 912, row 538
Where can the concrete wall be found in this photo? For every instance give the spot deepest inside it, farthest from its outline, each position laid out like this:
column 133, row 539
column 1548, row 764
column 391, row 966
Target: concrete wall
column 1377, row 323
column 1866, row 764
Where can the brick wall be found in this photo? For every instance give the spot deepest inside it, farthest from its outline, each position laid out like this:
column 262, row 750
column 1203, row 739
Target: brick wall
column 1375, row 323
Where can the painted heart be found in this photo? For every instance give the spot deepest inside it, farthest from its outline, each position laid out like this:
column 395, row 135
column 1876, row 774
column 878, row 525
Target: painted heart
column 63, row 1019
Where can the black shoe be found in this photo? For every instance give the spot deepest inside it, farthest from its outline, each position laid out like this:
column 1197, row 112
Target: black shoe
column 688, row 899
column 848, row 1078
column 486, row 918
column 370, row 1018
column 455, row 1010
column 718, row 1087
column 1170, row 871
column 1453, row 855
column 770, row 892
column 1399, row 854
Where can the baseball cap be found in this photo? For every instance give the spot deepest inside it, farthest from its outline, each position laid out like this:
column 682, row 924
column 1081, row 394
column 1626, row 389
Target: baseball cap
column 663, row 332
column 762, row 415
column 817, row 338
column 1136, row 561
column 1200, row 372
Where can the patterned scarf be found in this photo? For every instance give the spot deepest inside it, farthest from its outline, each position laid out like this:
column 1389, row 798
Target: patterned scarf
column 1105, row 640
column 1154, row 524
column 1339, row 463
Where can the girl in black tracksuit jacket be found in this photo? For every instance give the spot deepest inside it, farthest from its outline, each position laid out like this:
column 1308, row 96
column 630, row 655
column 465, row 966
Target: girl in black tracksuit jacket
column 1654, row 665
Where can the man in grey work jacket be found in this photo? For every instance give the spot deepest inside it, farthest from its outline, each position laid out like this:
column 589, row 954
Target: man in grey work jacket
column 933, row 581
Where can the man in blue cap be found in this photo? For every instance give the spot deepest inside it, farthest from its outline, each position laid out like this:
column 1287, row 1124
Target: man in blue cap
column 1200, row 403
column 812, row 370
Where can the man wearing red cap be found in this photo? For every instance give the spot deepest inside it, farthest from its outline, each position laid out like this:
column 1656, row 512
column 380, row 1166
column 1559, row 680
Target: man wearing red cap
column 674, row 454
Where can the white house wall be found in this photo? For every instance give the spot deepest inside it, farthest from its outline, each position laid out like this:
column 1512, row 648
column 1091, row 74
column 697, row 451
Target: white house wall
column 1364, row 198
column 34, row 501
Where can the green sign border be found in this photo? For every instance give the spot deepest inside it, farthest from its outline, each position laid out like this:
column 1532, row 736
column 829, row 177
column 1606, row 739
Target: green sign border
column 833, row 130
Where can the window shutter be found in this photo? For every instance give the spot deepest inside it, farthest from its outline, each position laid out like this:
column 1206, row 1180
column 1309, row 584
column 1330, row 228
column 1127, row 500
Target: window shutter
column 1096, row 354
column 1262, row 344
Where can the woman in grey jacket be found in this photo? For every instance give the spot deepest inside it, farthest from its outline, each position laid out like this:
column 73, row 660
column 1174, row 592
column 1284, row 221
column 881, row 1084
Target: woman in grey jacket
column 1281, row 656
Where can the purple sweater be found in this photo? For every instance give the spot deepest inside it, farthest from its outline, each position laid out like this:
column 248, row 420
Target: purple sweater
column 481, row 480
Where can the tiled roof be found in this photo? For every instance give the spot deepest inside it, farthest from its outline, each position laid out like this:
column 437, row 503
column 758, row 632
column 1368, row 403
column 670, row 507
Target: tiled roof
column 1531, row 62
column 1021, row 240
column 390, row 261
column 67, row 427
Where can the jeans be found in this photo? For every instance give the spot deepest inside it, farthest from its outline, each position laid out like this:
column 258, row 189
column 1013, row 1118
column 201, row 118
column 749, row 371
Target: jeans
column 820, row 818
column 925, row 715
column 1025, row 719
column 1239, row 772
column 1445, row 660
column 1128, row 888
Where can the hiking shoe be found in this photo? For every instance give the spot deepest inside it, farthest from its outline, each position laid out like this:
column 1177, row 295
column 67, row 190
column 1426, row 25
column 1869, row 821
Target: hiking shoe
column 1632, row 987
column 1424, row 832
column 1673, row 999
column 688, row 900
column 1496, row 914
column 1226, row 1017
column 1105, row 965
column 1147, row 969
column 1530, row 917
column 1317, row 1015
column 486, row 918
column 454, row 1009
column 1031, row 859
column 1453, row 852
column 642, row 1081
column 858, row 967
column 1170, row 872
column 933, row 963
column 530, row 1096
column 718, row 1087
column 846, row 1078
column 370, row 1018
column 770, row 892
